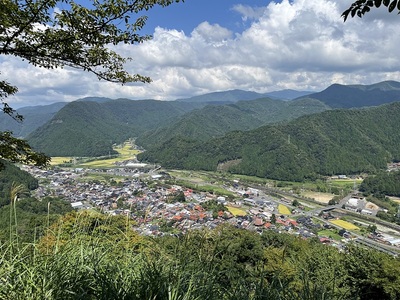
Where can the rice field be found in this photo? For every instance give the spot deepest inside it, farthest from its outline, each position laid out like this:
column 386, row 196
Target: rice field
column 236, row 211
column 125, row 153
column 345, row 224
column 283, row 210
column 60, row 160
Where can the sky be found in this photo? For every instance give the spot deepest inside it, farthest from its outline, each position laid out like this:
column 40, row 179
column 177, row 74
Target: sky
column 204, row 46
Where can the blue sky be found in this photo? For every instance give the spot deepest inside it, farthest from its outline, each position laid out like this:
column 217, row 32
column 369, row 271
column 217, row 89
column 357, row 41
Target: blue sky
column 187, row 15
column 203, row 46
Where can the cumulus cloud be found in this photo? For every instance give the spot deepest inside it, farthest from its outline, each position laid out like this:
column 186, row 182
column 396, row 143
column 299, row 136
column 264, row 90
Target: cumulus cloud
column 299, row 44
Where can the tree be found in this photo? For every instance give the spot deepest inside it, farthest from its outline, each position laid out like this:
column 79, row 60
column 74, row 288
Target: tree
column 64, row 33
column 361, row 7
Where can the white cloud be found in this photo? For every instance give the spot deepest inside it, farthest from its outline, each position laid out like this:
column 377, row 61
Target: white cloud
column 299, row 44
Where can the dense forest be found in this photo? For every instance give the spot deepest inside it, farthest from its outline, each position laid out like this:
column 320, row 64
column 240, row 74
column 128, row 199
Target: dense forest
column 217, row 120
column 385, row 183
column 327, row 143
column 92, row 256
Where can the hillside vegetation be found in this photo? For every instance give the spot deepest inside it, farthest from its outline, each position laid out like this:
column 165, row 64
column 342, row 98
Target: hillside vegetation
column 331, row 142
column 12, row 176
column 92, row 256
column 347, row 96
column 88, row 128
column 34, row 117
column 214, row 121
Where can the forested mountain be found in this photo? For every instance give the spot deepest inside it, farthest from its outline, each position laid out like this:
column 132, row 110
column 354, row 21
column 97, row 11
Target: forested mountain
column 331, row 142
column 213, row 121
column 90, row 128
column 347, row 96
column 34, row 117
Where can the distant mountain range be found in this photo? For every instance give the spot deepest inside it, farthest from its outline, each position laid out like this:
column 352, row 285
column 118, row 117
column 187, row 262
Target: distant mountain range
column 239, row 95
column 34, row 117
column 89, row 127
column 348, row 96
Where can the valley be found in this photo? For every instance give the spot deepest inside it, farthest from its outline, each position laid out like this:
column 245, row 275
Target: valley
column 162, row 201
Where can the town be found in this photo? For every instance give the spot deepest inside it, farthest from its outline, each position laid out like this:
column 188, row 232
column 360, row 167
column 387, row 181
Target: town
column 157, row 205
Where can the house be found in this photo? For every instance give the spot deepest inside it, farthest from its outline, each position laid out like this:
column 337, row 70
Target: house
column 77, row 205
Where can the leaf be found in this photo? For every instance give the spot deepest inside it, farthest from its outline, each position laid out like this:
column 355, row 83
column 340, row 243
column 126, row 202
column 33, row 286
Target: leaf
column 365, row 10
column 386, row 2
column 398, row 5
column 392, row 5
column 370, row 3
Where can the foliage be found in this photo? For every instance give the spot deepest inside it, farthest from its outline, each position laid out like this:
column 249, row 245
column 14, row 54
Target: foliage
column 89, row 128
column 225, row 263
column 33, row 217
column 34, row 117
column 327, row 143
column 60, row 33
column 13, row 175
column 384, row 183
column 214, row 206
column 17, row 150
column 361, row 7
column 216, row 120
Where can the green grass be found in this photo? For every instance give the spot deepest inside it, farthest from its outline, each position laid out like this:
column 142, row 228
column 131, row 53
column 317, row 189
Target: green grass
column 330, row 233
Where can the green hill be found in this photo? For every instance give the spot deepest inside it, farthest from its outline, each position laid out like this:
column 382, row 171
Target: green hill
column 331, row 142
column 347, row 96
column 214, row 121
column 34, row 117
column 90, row 128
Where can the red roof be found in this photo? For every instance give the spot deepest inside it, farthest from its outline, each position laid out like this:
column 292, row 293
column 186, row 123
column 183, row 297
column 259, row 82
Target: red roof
column 258, row 222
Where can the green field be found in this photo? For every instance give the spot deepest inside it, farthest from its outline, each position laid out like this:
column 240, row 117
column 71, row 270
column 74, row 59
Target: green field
column 330, row 233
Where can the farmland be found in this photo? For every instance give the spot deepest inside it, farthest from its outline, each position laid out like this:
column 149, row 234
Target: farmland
column 345, row 224
column 236, row 211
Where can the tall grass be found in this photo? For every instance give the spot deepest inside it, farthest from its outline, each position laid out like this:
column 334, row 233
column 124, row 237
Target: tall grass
column 94, row 257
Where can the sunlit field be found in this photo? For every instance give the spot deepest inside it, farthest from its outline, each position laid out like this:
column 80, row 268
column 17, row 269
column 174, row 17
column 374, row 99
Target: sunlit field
column 60, row 160
column 318, row 196
column 236, row 211
column 345, row 224
column 283, row 210
column 125, row 153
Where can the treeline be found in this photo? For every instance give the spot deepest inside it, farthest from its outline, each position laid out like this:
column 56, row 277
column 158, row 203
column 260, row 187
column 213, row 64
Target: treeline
column 384, row 183
column 93, row 256
column 327, row 143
